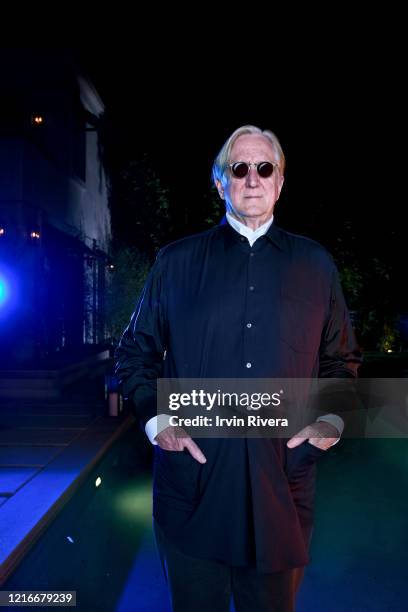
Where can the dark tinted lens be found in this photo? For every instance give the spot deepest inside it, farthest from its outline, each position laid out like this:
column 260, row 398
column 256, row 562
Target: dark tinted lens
column 265, row 169
column 240, row 169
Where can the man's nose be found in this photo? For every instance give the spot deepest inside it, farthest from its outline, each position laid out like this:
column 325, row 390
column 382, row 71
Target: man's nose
column 252, row 177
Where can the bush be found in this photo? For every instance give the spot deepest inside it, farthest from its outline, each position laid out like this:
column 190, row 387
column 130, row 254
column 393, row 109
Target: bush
column 128, row 277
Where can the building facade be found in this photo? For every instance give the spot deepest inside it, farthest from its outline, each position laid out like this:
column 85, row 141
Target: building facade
column 55, row 227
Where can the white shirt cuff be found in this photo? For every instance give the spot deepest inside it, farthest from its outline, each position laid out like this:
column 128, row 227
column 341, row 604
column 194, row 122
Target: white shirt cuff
column 334, row 420
column 155, row 425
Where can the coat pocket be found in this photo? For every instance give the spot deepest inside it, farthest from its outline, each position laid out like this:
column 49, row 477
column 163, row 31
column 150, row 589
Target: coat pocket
column 300, row 459
column 176, row 474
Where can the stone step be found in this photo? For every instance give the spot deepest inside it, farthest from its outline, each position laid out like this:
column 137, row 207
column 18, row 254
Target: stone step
column 45, row 420
column 51, row 407
column 29, row 383
column 50, row 383
column 41, row 436
column 28, row 455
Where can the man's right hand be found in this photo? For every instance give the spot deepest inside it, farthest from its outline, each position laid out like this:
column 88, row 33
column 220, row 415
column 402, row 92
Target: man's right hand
column 168, row 440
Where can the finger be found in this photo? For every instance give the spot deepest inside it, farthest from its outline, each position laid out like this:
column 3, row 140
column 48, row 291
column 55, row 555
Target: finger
column 318, row 443
column 170, row 444
column 194, row 450
column 322, row 443
column 167, row 440
column 298, row 438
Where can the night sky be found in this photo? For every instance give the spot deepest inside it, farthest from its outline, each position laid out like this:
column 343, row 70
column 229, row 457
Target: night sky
column 337, row 119
column 332, row 111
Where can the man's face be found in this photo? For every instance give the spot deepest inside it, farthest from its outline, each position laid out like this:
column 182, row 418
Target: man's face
column 251, row 199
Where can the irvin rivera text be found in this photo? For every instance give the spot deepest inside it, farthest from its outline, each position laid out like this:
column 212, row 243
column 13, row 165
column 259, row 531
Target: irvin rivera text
column 204, row 421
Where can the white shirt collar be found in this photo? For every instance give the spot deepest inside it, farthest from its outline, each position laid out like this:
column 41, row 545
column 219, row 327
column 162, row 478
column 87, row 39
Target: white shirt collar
column 250, row 234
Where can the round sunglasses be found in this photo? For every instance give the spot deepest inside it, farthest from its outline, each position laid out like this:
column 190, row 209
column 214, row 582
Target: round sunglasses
column 240, row 169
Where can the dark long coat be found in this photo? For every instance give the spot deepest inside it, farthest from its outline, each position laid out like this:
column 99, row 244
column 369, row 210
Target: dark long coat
column 253, row 499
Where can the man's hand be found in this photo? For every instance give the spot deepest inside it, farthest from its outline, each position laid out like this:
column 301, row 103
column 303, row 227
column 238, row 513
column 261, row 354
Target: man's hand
column 167, row 440
column 321, row 434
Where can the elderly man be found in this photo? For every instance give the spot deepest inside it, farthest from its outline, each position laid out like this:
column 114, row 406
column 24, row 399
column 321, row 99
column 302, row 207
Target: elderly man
column 246, row 299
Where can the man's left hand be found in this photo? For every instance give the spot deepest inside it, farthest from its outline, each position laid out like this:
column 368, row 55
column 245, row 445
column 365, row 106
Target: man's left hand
column 320, row 434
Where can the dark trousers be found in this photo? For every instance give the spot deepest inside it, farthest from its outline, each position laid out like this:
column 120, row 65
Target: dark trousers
column 204, row 585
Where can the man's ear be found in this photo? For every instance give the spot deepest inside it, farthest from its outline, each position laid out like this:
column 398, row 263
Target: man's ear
column 280, row 184
column 220, row 188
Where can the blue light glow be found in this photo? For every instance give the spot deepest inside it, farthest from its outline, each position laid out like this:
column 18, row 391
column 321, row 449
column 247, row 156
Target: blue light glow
column 8, row 291
column 4, row 290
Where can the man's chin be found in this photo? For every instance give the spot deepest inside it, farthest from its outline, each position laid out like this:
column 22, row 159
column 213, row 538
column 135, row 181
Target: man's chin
column 256, row 214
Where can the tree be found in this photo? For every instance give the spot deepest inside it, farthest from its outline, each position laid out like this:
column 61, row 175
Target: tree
column 142, row 208
column 128, row 276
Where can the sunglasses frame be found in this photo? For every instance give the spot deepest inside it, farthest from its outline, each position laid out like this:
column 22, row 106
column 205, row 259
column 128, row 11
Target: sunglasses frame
column 249, row 165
